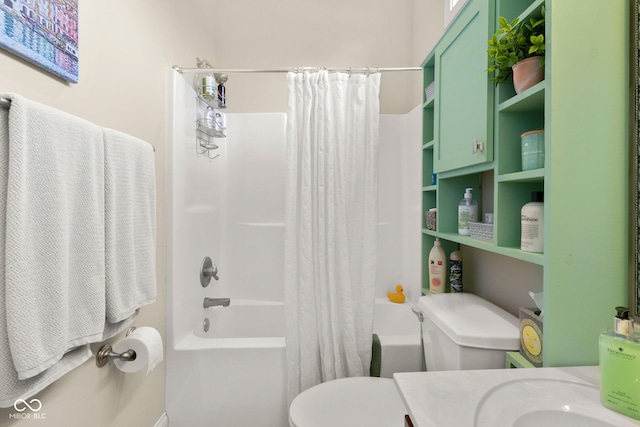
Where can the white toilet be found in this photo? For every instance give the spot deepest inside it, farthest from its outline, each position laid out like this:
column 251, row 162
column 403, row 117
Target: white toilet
column 356, row 401
column 463, row 331
column 459, row 331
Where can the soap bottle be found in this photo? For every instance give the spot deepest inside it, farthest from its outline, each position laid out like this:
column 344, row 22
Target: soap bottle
column 455, row 271
column 437, row 269
column 620, row 366
column 467, row 211
column 532, row 224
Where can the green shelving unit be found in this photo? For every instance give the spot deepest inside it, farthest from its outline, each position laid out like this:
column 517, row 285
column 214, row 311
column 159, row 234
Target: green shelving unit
column 583, row 107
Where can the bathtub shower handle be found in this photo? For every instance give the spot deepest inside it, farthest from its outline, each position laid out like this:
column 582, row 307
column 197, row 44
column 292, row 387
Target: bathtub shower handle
column 207, row 271
column 212, row 272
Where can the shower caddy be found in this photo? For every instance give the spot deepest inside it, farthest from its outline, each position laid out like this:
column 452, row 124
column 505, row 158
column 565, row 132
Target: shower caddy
column 209, row 121
column 211, row 99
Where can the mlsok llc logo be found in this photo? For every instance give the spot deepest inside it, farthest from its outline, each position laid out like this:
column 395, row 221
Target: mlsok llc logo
column 28, row 410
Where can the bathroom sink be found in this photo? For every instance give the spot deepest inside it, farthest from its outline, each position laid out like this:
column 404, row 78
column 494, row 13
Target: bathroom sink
column 545, row 402
column 540, row 397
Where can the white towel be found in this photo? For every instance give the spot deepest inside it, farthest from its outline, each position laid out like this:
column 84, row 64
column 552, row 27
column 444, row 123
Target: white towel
column 12, row 388
column 130, row 216
column 55, row 247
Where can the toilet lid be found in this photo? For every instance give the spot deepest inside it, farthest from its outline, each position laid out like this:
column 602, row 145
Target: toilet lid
column 348, row 402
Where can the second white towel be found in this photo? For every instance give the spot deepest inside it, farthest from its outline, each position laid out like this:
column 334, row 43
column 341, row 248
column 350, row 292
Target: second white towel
column 130, row 215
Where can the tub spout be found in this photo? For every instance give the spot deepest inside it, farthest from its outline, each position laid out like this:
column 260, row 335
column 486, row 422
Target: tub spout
column 212, row 302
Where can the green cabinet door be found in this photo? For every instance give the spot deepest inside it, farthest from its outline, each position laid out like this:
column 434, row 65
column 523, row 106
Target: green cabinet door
column 464, row 117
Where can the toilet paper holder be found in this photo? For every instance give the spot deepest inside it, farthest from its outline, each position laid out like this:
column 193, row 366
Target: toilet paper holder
column 106, row 353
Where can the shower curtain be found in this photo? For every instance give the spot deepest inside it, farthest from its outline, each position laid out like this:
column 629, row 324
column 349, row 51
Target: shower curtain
column 330, row 225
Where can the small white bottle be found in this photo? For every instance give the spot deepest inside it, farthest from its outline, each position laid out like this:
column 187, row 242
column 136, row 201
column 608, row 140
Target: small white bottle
column 437, row 268
column 210, row 118
column 467, row 211
column 532, row 224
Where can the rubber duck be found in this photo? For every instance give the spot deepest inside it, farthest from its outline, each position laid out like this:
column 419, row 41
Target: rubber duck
column 397, row 296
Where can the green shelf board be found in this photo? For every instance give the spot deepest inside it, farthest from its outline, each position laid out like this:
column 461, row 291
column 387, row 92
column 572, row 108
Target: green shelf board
column 469, row 170
column 535, row 175
column 429, row 188
column 429, row 103
column 511, row 252
column 531, row 99
column 429, row 61
column 428, row 145
column 517, row 360
column 533, row 9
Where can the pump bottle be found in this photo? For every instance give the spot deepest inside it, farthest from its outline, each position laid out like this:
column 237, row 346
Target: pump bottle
column 620, row 366
column 467, row 211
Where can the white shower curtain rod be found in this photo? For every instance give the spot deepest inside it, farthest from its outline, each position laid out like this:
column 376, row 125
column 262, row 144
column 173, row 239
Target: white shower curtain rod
column 292, row 69
column 4, row 103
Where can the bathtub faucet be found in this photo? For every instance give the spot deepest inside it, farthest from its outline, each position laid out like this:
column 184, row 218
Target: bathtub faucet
column 212, row 302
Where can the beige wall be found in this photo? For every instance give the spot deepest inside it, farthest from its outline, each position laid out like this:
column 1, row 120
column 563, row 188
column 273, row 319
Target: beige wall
column 126, row 50
column 332, row 33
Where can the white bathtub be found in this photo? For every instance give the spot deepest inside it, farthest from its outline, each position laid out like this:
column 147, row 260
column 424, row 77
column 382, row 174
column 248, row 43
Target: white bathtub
column 399, row 332
column 234, row 375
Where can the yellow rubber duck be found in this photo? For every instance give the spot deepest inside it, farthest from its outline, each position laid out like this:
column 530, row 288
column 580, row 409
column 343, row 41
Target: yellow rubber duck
column 396, row 296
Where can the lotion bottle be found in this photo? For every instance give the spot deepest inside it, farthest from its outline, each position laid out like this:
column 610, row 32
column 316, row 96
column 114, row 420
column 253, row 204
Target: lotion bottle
column 467, row 211
column 619, row 350
column 532, row 224
column 437, row 268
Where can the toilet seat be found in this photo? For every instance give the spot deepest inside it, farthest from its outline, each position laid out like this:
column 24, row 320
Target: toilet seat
column 348, row 402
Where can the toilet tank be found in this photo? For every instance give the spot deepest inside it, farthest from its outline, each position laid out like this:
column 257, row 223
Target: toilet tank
column 463, row 331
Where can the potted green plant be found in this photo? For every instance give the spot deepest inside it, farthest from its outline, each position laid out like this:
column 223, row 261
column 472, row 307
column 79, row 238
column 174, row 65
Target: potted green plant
column 518, row 48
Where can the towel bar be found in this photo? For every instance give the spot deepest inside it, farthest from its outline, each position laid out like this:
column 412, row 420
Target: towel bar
column 106, row 353
column 6, row 104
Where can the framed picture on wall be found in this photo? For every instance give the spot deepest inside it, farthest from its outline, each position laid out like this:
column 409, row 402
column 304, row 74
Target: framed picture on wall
column 44, row 32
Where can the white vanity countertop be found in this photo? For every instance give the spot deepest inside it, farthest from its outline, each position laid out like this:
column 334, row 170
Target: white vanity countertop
column 493, row 398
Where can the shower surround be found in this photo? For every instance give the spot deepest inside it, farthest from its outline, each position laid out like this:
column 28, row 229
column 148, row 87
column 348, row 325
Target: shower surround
column 231, row 209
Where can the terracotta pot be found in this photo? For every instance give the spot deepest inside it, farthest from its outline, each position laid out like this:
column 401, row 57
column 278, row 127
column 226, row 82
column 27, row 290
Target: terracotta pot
column 527, row 73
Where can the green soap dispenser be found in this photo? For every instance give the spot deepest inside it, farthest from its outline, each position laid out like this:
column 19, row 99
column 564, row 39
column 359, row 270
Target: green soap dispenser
column 620, row 366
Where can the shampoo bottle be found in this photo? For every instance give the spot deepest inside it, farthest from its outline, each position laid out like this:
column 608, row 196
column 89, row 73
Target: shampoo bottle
column 532, row 224
column 209, row 88
column 467, row 211
column 455, row 271
column 620, row 366
column 437, row 268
